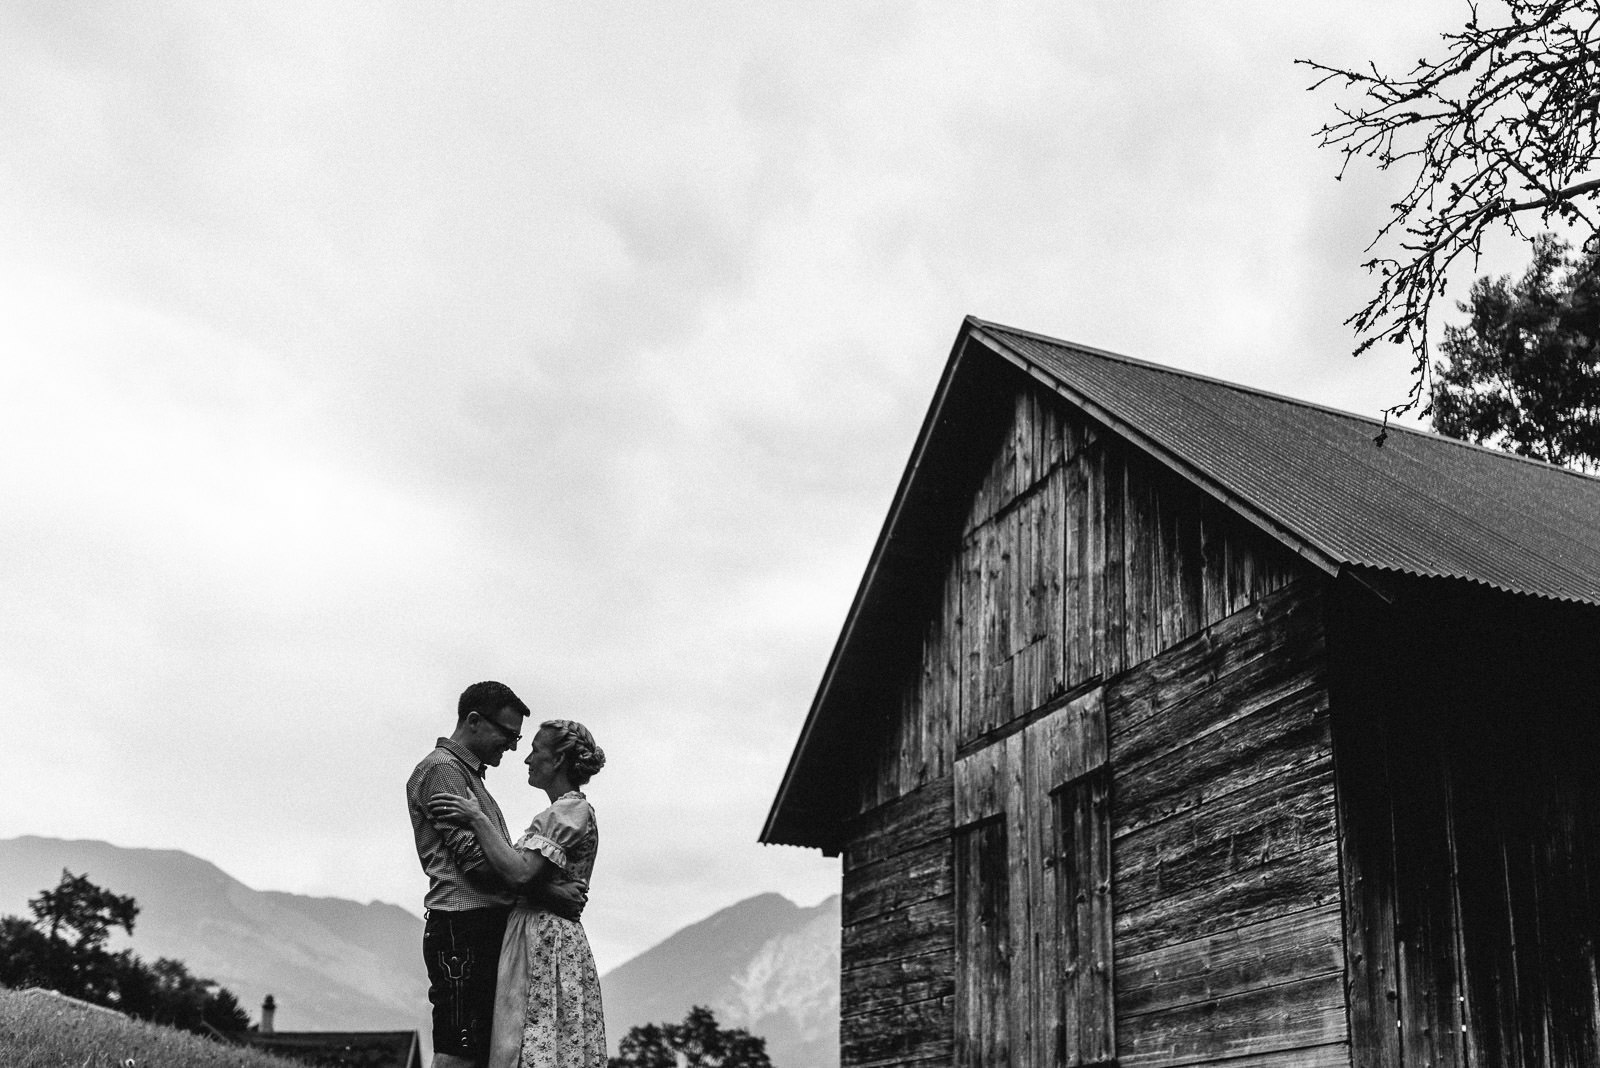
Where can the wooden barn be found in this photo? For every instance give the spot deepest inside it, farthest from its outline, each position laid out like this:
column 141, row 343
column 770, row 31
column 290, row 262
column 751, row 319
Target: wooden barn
column 1177, row 723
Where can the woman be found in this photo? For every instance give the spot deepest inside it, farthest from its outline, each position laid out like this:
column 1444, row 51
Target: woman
column 547, row 999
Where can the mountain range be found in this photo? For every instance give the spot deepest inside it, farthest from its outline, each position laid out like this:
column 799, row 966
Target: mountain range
column 763, row 964
column 331, row 964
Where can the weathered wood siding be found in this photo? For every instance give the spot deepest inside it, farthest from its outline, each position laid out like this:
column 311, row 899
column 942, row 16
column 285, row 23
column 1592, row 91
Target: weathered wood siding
column 1225, row 856
column 897, row 948
column 1079, row 558
column 1468, row 746
column 1081, row 566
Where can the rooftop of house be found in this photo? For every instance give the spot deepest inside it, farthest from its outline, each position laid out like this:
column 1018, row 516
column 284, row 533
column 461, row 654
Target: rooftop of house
column 370, row 1049
column 1313, row 478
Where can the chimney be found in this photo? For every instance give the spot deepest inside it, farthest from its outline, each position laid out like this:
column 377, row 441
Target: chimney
column 268, row 1007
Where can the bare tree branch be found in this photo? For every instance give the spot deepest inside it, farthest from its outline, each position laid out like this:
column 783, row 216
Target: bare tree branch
column 1504, row 123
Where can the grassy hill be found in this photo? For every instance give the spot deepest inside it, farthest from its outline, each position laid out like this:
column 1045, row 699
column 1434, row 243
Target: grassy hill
column 40, row 1029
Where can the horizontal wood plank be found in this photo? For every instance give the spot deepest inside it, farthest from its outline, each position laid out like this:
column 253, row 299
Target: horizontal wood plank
column 1285, row 627
column 919, row 874
column 1285, row 883
column 926, row 927
column 1291, row 734
column 874, row 987
column 1331, row 1055
column 1275, row 1019
column 1231, row 962
column 900, row 1034
column 901, row 824
column 1222, row 838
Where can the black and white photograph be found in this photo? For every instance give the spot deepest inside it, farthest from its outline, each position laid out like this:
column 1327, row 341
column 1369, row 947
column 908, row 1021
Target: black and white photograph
column 815, row 535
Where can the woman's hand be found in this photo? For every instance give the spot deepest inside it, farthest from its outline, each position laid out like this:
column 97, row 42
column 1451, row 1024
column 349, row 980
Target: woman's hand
column 454, row 809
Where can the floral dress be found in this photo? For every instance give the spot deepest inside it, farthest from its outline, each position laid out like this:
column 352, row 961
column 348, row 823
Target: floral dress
column 547, row 1003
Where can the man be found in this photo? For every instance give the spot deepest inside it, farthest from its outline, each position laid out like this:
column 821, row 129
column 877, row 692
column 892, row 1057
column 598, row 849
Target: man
column 467, row 903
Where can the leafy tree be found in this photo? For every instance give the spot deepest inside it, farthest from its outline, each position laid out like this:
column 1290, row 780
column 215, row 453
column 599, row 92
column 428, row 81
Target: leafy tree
column 1524, row 373
column 88, row 911
column 63, row 948
column 27, row 956
column 166, row 993
column 39, row 953
column 1497, row 129
column 697, row 1043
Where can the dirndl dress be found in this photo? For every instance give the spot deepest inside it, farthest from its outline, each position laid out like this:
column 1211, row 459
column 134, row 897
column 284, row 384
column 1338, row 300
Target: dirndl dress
column 547, row 1011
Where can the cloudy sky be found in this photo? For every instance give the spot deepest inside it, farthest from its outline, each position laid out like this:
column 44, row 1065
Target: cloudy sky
column 350, row 353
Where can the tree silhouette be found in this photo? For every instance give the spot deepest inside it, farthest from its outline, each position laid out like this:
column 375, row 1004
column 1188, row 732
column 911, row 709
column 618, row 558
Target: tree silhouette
column 39, row 953
column 1524, row 373
column 696, row 1043
column 1497, row 129
column 87, row 910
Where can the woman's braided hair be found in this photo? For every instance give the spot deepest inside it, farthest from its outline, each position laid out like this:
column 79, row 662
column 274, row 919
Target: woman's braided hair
column 574, row 742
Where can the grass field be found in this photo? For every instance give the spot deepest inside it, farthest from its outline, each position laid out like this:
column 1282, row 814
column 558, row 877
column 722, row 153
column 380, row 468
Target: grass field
column 41, row 1030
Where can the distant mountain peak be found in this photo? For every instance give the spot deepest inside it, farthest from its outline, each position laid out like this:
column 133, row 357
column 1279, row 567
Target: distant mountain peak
column 764, row 964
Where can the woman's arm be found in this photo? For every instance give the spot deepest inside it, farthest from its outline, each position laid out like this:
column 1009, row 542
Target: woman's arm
column 520, row 869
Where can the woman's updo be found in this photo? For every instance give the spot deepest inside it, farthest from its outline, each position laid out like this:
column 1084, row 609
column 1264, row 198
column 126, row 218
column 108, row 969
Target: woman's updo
column 573, row 741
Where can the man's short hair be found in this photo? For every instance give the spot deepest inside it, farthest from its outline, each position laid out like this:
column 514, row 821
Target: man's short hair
column 486, row 697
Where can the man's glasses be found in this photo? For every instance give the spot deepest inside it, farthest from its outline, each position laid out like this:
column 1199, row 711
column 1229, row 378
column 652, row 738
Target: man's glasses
column 512, row 736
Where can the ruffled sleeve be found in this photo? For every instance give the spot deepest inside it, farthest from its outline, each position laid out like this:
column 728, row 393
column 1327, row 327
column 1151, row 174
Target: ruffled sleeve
column 558, row 832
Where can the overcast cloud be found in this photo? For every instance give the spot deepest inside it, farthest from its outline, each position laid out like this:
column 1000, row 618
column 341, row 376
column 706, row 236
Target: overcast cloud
column 351, row 353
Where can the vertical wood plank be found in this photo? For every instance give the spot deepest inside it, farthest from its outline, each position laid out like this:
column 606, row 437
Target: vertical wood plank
column 1008, row 460
column 1095, row 988
column 1075, row 616
column 1025, row 441
column 946, row 722
column 1366, row 853
column 930, row 698
column 1094, row 559
column 1001, row 577
column 1139, row 560
column 1045, row 998
column 983, row 951
column 1052, row 611
column 1430, row 1024
column 1213, row 566
column 903, row 772
column 1022, row 868
column 1081, row 820
column 979, row 785
column 1470, row 1053
column 972, row 638
column 1166, row 567
column 1068, row 948
column 1114, row 473
column 1188, row 564
column 1241, row 573
column 1051, row 432
column 1019, row 636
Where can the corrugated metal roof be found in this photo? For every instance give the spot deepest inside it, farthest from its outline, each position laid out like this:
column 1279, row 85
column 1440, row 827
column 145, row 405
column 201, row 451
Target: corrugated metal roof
column 1422, row 504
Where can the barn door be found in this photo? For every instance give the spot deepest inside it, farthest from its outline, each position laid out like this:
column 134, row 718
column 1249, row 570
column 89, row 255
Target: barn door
column 1033, row 895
